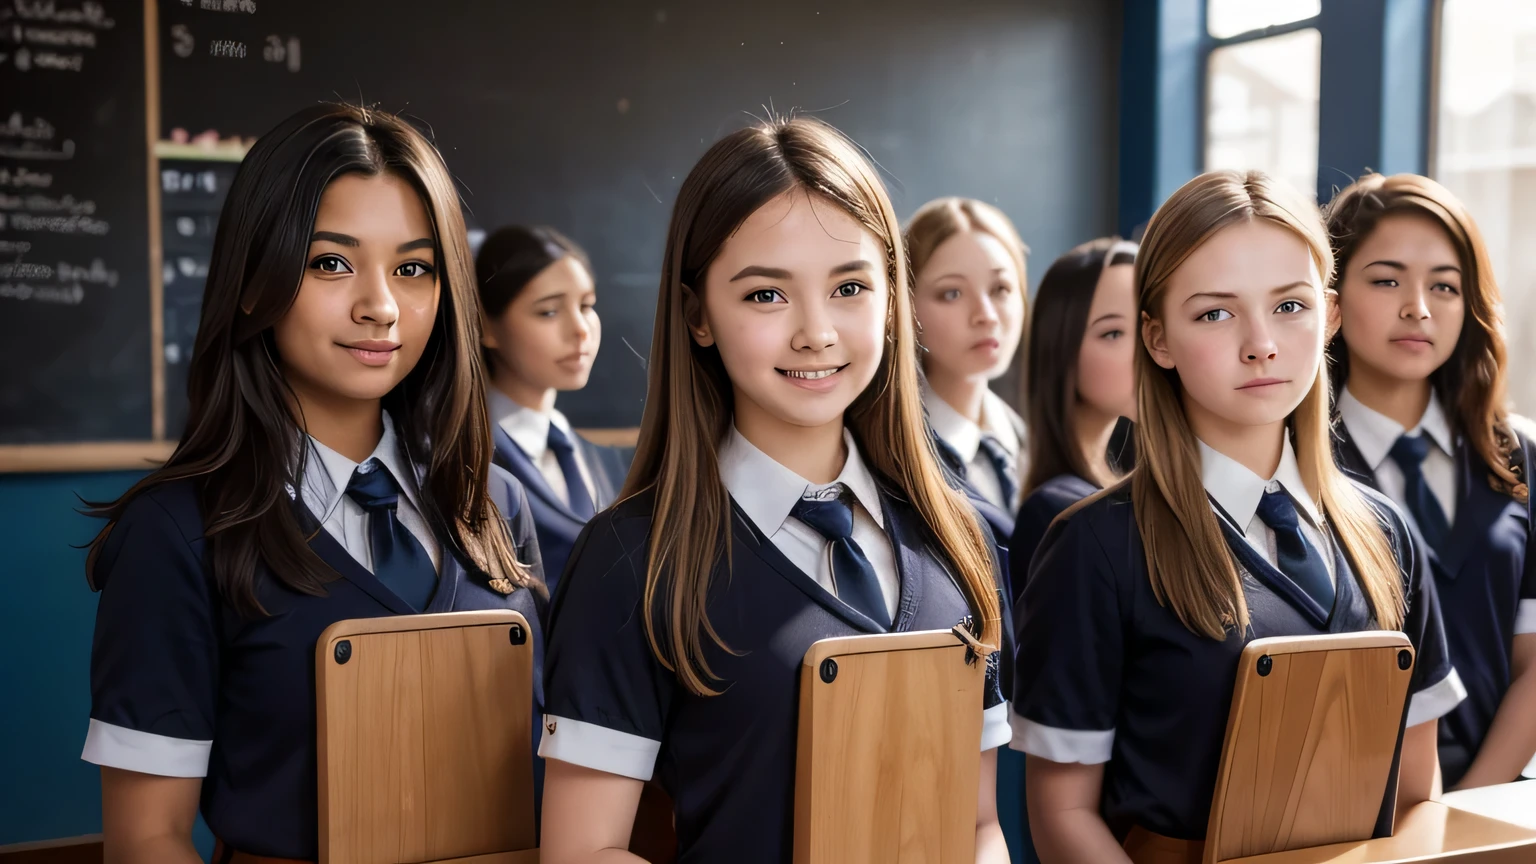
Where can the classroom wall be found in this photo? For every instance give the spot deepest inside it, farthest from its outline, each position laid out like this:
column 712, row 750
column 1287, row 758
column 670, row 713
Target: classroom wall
column 1014, row 103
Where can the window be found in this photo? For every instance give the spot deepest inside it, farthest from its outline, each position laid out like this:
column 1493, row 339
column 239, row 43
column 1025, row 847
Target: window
column 1227, row 18
column 1486, row 154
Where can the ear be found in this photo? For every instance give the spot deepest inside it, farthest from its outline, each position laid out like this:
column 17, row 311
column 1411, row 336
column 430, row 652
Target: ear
column 1334, row 314
column 487, row 338
column 1156, row 339
column 694, row 319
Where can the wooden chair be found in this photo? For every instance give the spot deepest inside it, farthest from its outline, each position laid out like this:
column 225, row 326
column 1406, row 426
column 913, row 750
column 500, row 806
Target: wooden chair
column 889, row 750
column 1308, row 767
column 425, row 747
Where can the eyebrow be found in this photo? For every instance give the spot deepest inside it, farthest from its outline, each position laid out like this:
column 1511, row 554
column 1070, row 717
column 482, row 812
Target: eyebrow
column 1108, row 317
column 1398, row 265
column 352, row 242
column 1228, row 295
column 962, row 275
column 776, row 273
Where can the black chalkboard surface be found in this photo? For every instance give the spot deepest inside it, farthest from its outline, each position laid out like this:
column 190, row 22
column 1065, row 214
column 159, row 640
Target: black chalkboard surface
column 74, row 245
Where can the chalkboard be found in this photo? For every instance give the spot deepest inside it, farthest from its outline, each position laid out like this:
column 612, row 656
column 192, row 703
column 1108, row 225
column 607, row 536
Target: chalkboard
column 75, row 358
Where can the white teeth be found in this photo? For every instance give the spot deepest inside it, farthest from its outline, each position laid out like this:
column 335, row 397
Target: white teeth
column 810, row 376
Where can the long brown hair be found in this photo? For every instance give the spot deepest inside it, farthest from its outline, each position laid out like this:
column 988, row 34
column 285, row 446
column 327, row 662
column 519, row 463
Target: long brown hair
column 1187, row 558
column 1471, row 383
column 241, row 446
column 1056, row 330
column 689, row 402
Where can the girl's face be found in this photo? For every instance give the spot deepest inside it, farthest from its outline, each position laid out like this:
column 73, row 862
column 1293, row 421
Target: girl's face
column 1400, row 299
column 797, row 303
column 548, row 336
column 970, row 302
column 1243, row 321
column 1104, row 362
column 369, row 295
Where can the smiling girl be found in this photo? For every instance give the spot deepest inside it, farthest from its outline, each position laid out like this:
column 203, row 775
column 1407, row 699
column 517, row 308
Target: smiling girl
column 784, row 491
column 335, row 465
column 1421, row 358
column 1234, row 525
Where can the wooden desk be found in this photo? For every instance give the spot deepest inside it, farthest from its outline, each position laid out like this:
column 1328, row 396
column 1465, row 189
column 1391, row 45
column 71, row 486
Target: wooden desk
column 1507, row 802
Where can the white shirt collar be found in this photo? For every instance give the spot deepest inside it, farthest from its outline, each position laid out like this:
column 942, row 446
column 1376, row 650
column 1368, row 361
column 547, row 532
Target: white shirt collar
column 767, row 490
column 528, row 429
column 324, row 488
column 1238, row 489
column 1374, row 433
column 957, row 430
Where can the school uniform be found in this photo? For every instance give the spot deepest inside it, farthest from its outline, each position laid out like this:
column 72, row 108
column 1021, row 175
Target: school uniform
column 1108, row 675
column 1478, row 542
column 1036, row 513
column 990, row 455
column 183, row 686
column 568, row 478
column 728, row 761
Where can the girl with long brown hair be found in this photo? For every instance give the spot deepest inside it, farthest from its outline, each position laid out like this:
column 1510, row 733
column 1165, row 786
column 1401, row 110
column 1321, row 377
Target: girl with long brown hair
column 336, row 464
column 1420, row 367
column 784, row 490
column 1234, row 525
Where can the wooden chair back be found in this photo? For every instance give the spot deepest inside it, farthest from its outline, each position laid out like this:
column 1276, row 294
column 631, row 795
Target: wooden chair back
column 889, row 750
column 425, row 739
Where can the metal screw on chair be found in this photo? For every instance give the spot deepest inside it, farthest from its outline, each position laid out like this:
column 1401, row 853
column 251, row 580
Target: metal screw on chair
column 1266, row 665
column 518, row 634
column 1404, row 659
column 343, row 651
column 828, row 670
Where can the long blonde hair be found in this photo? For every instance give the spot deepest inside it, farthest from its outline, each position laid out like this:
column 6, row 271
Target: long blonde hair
column 689, row 401
column 1187, row 559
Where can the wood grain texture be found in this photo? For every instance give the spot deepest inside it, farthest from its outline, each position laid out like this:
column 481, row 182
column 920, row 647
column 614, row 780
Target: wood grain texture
column 1428, row 832
column 1310, row 746
column 425, row 745
column 1507, row 802
column 889, row 752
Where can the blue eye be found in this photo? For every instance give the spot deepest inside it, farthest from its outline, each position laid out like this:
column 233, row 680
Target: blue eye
column 1291, row 307
column 950, row 295
column 843, row 290
column 413, row 269
column 764, row 295
column 1215, row 315
column 1112, row 335
column 330, row 264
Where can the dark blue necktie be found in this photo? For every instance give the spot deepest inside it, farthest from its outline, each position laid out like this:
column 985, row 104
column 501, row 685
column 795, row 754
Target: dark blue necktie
column 852, row 574
column 1002, row 466
column 399, row 559
column 575, row 486
column 1408, row 451
column 1296, row 558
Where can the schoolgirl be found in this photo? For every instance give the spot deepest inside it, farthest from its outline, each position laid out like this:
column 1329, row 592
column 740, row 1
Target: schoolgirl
column 1234, row 525
column 783, row 491
column 541, row 336
column 335, row 465
column 1420, row 365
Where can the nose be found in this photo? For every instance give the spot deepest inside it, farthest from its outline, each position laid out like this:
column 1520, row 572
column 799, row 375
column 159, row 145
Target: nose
column 375, row 303
column 815, row 331
column 1258, row 344
column 1416, row 305
column 985, row 311
column 583, row 325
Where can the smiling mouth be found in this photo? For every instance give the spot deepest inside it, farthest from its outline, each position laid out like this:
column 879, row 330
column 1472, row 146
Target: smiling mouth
column 812, row 375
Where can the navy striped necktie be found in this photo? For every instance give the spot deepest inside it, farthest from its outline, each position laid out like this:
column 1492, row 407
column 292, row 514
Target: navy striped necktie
column 852, row 574
column 399, row 559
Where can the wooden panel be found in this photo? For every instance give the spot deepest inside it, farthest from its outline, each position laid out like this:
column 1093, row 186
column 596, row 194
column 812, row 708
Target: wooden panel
column 1309, row 746
column 1507, row 802
column 528, row 856
column 889, row 751
column 425, row 743
column 71, row 850
column 617, row 437
column 106, row 456
column 1428, row 832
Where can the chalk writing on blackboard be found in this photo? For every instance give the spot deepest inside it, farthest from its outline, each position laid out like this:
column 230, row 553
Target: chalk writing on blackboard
column 86, row 14
column 227, row 48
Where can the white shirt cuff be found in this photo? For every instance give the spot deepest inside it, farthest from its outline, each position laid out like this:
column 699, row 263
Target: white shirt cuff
column 1436, row 700
column 1525, row 617
column 994, row 727
column 598, row 747
column 1087, row 746
column 131, row 750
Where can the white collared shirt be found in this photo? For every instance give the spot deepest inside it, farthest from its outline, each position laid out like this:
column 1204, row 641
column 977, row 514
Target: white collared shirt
column 326, row 475
column 960, row 433
column 529, row 430
column 1237, row 490
column 767, row 491
column 1374, row 434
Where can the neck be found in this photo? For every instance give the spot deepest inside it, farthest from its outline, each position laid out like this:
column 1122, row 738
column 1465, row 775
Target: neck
column 351, row 427
column 960, row 392
column 813, row 452
column 1093, row 429
column 1256, row 448
column 540, row 399
column 1405, row 401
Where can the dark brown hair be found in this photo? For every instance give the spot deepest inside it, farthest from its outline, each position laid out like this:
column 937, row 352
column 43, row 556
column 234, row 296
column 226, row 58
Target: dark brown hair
column 241, row 446
column 689, row 403
column 1062, row 303
column 1470, row 384
column 510, row 258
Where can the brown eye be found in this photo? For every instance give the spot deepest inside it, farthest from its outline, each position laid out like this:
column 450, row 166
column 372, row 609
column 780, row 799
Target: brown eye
column 413, row 269
column 330, row 264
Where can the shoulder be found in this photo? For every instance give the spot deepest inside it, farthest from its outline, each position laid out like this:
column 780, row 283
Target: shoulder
column 1047, row 500
column 1401, row 535
column 507, row 492
column 158, row 525
column 1100, row 527
column 620, row 533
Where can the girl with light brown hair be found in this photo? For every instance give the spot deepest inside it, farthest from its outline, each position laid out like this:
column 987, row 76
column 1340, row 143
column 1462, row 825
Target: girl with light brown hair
column 784, row 490
column 1234, row 525
column 1422, row 416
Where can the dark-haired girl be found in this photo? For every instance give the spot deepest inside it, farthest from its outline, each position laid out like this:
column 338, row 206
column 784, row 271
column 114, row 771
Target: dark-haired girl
column 541, row 336
column 335, row 465
column 1421, row 416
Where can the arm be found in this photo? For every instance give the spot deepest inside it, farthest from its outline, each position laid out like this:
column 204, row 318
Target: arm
column 588, row 815
column 1418, row 773
column 1511, row 739
column 1063, row 802
column 146, row 819
column 990, row 848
